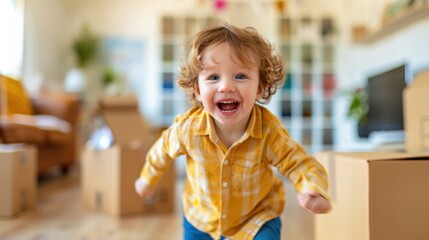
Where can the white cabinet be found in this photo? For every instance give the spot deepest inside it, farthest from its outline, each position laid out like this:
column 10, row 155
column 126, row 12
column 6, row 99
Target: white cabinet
column 307, row 97
column 175, row 31
column 306, row 101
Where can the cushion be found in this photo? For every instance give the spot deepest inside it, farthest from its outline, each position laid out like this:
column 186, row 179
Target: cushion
column 13, row 97
column 44, row 122
column 15, row 132
column 38, row 129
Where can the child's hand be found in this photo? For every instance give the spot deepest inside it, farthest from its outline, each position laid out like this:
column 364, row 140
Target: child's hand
column 313, row 202
column 142, row 189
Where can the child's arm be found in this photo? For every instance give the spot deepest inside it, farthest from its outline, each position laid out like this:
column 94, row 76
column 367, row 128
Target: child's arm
column 313, row 202
column 307, row 175
column 158, row 160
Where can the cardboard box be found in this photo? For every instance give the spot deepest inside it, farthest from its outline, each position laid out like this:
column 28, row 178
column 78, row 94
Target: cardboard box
column 108, row 175
column 377, row 196
column 18, row 179
column 416, row 113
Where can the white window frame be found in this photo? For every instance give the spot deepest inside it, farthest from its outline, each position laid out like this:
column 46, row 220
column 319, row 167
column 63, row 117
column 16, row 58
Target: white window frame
column 11, row 36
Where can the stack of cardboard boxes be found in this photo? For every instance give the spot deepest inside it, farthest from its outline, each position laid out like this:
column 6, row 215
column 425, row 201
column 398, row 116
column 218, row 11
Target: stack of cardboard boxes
column 108, row 175
column 416, row 113
column 376, row 196
column 18, row 179
column 382, row 195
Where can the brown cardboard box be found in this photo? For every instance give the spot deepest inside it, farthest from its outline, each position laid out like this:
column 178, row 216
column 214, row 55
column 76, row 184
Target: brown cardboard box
column 108, row 175
column 377, row 196
column 416, row 113
column 18, row 179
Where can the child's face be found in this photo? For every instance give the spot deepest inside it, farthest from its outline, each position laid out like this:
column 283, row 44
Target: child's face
column 227, row 89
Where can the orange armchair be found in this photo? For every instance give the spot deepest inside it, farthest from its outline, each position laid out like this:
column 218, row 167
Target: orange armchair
column 51, row 123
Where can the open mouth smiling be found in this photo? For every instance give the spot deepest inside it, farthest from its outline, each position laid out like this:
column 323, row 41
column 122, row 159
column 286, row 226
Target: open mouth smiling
column 228, row 106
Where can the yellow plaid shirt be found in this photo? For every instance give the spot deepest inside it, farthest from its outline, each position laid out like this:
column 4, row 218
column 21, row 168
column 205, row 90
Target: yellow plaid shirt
column 234, row 191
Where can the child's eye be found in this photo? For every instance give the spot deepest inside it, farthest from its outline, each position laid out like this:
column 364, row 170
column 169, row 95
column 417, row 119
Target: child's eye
column 240, row 76
column 213, row 77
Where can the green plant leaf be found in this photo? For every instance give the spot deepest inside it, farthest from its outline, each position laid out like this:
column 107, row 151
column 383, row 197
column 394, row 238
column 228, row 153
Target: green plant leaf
column 358, row 107
column 86, row 46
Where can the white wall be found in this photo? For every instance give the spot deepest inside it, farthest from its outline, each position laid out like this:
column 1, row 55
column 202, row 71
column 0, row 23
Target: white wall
column 358, row 62
column 45, row 47
column 52, row 24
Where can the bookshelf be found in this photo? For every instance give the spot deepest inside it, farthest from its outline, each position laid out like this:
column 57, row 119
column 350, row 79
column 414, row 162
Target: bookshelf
column 307, row 99
column 175, row 31
column 306, row 102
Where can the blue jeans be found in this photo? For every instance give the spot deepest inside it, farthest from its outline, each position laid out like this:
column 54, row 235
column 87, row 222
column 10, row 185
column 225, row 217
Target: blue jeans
column 269, row 231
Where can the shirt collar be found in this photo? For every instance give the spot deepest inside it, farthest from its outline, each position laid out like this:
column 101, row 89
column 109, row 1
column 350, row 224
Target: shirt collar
column 205, row 124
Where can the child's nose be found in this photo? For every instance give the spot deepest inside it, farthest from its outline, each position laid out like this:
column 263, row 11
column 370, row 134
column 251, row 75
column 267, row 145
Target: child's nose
column 226, row 85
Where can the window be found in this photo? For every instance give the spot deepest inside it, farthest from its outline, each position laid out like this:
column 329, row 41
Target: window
column 11, row 36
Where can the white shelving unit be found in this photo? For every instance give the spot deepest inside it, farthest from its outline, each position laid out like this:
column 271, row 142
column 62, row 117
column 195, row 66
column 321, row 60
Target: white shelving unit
column 307, row 98
column 175, row 31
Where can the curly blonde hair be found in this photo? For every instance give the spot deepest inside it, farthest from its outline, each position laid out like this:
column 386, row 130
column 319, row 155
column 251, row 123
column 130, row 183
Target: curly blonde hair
column 242, row 42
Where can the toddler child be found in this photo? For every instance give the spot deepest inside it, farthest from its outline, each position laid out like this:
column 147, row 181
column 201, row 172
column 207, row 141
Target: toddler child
column 231, row 142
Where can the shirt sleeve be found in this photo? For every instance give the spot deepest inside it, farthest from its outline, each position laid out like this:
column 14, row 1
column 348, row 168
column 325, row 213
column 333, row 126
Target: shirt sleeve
column 292, row 161
column 161, row 154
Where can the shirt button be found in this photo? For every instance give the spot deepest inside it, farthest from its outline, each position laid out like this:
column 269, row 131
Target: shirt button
column 223, row 216
column 225, row 162
column 225, row 184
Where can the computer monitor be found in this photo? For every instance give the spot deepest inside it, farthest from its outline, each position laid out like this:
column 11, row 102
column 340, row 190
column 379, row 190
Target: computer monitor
column 384, row 99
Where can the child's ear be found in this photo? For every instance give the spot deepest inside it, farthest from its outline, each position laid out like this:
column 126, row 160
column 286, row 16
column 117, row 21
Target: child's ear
column 197, row 94
column 260, row 93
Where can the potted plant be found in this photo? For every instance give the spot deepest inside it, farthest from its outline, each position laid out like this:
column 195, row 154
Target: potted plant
column 358, row 107
column 111, row 80
column 85, row 48
column 358, row 110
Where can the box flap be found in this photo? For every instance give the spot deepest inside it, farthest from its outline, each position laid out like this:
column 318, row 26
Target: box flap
column 122, row 115
column 416, row 113
column 421, row 82
column 383, row 156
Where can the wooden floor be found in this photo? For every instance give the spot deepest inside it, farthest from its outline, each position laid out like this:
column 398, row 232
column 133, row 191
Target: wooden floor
column 60, row 214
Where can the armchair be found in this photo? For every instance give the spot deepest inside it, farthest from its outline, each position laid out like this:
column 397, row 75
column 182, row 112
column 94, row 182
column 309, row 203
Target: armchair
column 49, row 121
